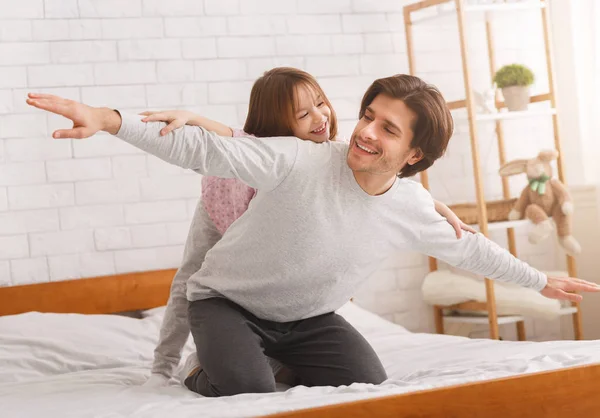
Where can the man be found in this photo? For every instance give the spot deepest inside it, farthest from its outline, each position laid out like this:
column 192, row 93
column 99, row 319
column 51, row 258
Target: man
column 324, row 218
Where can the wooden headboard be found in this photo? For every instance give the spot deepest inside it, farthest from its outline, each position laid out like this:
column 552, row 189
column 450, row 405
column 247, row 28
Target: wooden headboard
column 99, row 295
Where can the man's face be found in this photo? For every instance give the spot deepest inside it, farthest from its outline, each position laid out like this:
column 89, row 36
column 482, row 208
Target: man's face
column 380, row 143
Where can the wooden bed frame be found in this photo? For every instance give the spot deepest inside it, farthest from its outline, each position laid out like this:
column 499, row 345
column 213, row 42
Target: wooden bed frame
column 562, row 393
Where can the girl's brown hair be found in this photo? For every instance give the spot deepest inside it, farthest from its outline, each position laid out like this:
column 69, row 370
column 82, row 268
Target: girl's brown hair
column 272, row 107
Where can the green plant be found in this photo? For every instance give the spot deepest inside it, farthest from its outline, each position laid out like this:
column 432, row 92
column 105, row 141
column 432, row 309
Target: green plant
column 513, row 75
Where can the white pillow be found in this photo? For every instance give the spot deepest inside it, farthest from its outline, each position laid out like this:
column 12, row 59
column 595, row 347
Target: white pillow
column 443, row 287
column 40, row 344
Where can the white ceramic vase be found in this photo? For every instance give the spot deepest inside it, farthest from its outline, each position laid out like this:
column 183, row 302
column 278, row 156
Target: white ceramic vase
column 516, row 97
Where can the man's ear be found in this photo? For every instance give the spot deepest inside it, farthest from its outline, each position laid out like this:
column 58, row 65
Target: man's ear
column 415, row 157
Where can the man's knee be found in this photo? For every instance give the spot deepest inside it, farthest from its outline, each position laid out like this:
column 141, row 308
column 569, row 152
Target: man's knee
column 237, row 381
column 374, row 375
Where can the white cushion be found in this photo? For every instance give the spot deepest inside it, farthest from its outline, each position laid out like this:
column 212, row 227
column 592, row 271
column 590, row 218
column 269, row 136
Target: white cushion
column 445, row 288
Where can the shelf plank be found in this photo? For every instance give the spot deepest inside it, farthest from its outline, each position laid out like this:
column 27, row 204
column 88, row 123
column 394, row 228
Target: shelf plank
column 483, row 319
column 506, row 115
column 480, row 319
column 450, row 10
column 506, row 7
column 504, row 224
column 461, row 104
column 570, row 310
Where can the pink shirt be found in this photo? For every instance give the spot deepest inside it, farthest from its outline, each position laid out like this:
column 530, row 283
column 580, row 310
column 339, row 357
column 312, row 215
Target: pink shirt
column 225, row 200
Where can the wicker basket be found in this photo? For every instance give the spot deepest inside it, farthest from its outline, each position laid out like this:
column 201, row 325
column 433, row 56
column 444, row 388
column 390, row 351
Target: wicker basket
column 497, row 211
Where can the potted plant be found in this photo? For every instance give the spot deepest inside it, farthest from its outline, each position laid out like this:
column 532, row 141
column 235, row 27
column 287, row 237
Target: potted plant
column 514, row 80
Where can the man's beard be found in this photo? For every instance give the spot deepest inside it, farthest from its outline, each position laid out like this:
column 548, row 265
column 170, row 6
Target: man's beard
column 382, row 165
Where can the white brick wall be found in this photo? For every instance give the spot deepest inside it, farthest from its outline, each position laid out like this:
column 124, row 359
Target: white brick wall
column 26, row 9
column 91, row 29
column 173, row 8
column 3, row 199
column 22, row 222
column 5, row 279
column 63, row 242
column 83, row 51
column 40, row 196
column 49, row 30
column 22, row 173
column 112, row 238
column 54, row 9
column 61, row 75
column 13, row 247
column 72, row 209
column 107, row 191
column 184, row 27
column 121, row 73
column 83, row 217
column 28, row 270
column 110, row 8
column 16, row 30
column 77, row 170
column 73, row 266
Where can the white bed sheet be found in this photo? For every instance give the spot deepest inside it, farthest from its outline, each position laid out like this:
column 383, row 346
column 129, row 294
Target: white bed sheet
column 66, row 366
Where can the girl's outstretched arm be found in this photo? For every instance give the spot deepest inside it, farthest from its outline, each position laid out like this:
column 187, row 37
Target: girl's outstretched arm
column 178, row 118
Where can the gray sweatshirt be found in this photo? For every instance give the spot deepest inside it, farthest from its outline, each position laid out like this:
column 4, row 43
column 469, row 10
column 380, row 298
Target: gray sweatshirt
column 311, row 235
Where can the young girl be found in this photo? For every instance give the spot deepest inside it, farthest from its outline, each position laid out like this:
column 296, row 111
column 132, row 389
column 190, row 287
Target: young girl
column 283, row 102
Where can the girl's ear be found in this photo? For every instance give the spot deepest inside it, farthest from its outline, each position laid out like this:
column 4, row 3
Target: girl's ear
column 513, row 167
column 548, row 155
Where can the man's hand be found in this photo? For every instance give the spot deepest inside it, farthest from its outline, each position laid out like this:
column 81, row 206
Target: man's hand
column 86, row 120
column 559, row 288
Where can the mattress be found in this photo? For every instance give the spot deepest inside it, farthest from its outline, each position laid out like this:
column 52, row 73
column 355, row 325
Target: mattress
column 68, row 365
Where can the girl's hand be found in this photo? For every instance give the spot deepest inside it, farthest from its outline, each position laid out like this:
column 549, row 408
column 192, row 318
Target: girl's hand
column 174, row 118
column 452, row 219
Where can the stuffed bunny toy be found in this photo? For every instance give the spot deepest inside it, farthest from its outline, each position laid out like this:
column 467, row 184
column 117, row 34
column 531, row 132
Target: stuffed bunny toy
column 543, row 197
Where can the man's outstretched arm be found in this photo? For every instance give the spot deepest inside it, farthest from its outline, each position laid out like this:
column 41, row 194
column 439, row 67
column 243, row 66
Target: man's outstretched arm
column 260, row 163
column 477, row 254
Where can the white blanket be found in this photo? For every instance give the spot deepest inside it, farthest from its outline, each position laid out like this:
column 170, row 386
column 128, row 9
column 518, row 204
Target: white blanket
column 54, row 365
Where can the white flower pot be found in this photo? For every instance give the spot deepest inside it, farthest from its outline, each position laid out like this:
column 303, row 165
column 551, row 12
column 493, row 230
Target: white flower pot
column 516, row 97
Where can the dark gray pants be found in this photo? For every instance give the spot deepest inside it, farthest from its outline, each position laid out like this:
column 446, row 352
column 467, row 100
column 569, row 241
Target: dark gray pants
column 233, row 345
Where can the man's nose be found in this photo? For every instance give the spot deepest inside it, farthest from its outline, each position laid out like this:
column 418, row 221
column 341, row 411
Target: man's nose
column 369, row 132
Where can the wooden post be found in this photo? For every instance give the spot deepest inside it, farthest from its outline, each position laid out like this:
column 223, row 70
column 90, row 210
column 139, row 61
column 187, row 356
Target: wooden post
column 521, row 335
column 481, row 206
column 438, row 312
column 510, row 232
column 512, row 247
column 433, row 264
column 571, row 265
column 409, row 41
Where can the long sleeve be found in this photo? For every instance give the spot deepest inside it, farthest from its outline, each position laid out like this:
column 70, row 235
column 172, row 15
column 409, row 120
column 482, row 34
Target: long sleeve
column 175, row 328
column 260, row 163
column 473, row 252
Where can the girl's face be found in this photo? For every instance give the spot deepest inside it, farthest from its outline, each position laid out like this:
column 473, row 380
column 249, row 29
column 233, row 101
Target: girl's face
column 311, row 120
